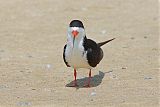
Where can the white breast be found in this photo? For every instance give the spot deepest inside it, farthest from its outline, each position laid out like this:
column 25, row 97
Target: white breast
column 76, row 57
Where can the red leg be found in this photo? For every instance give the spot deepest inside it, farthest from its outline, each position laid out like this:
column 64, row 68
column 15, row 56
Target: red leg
column 75, row 78
column 89, row 79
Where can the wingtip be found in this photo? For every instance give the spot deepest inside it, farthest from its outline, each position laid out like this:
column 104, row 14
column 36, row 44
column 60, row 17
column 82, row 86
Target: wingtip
column 102, row 43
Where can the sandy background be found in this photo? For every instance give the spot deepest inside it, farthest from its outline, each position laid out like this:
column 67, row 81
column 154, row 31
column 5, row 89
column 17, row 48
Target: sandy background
column 32, row 36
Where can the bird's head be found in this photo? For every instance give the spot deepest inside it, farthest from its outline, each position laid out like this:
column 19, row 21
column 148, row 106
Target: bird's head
column 76, row 32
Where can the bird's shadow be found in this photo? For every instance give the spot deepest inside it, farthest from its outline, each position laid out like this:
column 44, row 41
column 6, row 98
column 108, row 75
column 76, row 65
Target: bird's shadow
column 95, row 81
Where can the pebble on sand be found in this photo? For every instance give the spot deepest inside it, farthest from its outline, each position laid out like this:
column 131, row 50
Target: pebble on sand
column 147, row 78
column 93, row 93
column 124, row 67
column 145, row 37
column 3, row 87
column 112, row 75
column 23, row 103
column 103, row 31
column 48, row 66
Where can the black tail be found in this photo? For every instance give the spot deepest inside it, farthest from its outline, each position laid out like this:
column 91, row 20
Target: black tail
column 102, row 43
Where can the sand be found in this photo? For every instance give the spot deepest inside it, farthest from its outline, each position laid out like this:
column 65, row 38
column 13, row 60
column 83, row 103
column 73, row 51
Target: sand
column 32, row 36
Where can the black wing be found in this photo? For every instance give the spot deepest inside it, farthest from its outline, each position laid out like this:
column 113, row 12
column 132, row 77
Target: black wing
column 94, row 52
column 64, row 56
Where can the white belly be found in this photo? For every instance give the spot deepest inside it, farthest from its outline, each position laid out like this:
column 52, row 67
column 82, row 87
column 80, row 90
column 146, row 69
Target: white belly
column 76, row 57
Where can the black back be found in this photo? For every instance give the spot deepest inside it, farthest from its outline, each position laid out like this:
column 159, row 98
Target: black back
column 76, row 23
column 94, row 52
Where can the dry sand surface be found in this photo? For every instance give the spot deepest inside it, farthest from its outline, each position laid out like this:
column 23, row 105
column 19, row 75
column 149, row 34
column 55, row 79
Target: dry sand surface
column 32, row 36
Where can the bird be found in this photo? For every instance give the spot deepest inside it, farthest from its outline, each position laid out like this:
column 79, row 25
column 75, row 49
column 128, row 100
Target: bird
column 81, row 52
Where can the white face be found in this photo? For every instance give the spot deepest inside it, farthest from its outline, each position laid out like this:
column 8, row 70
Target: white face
column 75, row 40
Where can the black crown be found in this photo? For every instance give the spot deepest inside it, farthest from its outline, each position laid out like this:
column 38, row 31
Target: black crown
column 76, row 23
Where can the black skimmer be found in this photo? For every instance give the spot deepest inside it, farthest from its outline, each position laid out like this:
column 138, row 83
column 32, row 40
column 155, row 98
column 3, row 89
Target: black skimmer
column 80, row 52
